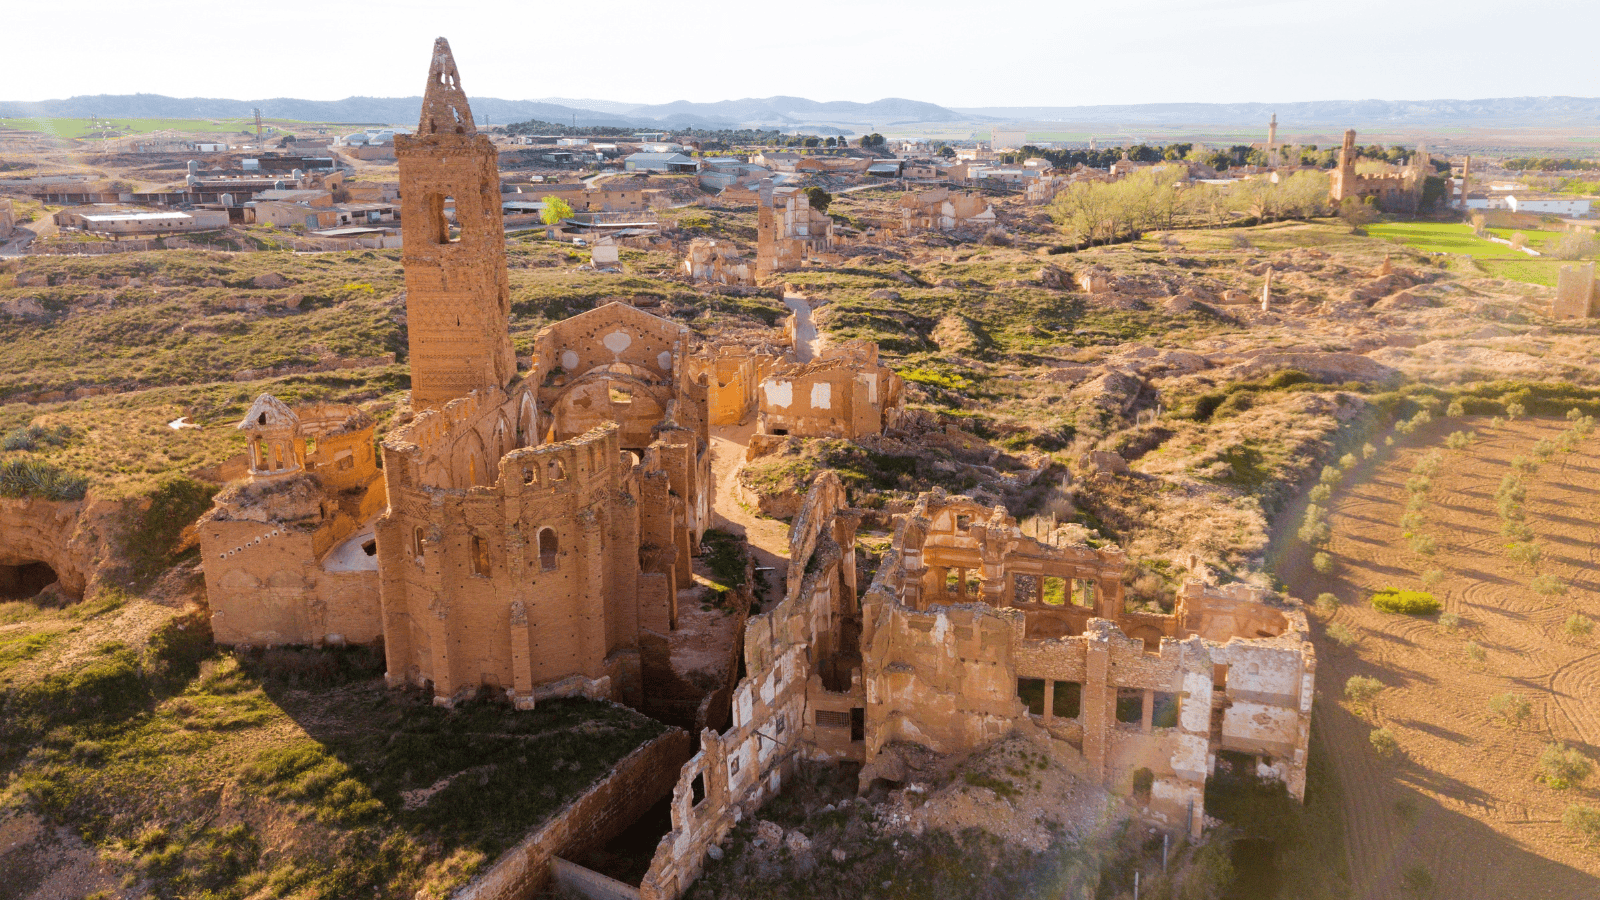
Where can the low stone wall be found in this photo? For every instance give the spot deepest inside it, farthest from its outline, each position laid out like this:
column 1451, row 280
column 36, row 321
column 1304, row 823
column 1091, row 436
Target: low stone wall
column 641, row 779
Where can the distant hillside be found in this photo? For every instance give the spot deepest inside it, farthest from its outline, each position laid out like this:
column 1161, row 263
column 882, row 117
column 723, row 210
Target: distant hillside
column 1504, row 112
column 367, row 110
column 781, row 112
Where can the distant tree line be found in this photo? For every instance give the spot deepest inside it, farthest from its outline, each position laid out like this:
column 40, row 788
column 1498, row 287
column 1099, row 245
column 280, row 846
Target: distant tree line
column 1219, row 159
column 1101, row 212
column 1549, row 164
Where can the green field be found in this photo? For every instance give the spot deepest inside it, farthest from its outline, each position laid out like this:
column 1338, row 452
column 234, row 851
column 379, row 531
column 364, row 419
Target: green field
column 1489, row 258
column 79, row 128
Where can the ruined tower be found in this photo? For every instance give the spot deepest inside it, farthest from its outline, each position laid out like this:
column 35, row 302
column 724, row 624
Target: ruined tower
column 1272, row 142
column 1344, row 177
column 458, row 303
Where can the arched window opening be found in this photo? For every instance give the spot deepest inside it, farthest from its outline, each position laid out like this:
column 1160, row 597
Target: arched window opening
column 416, row 543
column 558, row 471
column 527, row 475
column 549, row 548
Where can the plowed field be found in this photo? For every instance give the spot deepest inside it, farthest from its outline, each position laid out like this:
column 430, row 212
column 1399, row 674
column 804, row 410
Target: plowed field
column 1463, row 799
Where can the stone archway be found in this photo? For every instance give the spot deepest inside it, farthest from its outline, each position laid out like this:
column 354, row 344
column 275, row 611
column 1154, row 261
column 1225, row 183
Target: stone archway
column 607, row 395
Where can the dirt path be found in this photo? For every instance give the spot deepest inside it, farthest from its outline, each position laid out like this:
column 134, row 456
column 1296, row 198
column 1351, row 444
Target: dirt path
column 768, row 538
column 1463, row 800
column 805, row 328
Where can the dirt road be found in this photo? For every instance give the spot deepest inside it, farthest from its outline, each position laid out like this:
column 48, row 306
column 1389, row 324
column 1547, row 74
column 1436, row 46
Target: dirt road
column 768, row 538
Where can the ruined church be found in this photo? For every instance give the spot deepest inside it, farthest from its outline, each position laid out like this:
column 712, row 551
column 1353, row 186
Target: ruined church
column 527, row 524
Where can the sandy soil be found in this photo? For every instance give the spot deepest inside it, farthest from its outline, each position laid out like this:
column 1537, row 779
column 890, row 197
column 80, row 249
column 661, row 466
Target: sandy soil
column 1464, row 798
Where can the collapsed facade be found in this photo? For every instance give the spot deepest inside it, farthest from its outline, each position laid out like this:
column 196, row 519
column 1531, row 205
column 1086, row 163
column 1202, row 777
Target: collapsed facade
column 717, row 262
column 536, row 523
column 942, row 209
column 844, row 393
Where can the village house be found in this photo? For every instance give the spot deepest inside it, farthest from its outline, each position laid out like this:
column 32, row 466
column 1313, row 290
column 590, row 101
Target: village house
column 942, row 209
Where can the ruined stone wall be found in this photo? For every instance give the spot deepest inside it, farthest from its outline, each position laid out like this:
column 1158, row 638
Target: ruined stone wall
column 1575, row 293
column 587, row 823
column 526, row 581
column 716, row 262
column 839, row 397
column 945, row 210
column 739, row 770
column 266, row 587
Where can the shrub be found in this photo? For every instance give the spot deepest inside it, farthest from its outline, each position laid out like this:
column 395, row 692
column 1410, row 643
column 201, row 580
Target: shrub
column 29, row 437
column 1410, row 603
column 1455, row 410
column 1548, row 586
column 1578, row 625
column 1368, row 451
column 1424, row 545
column 1449, row 621
column 1475, row 652
column 1563, row 766
column 1319, row 495
column 151, row 535
column 1420, row 484
column 1513, row 708
column 1330, row 476
column 40, row 480
column 1362, row 690
column 1384, row 741
column 1348, row 461
column 1525, row 552
column 1584, row 821
column 1322, row 562
column 1459, row 439
column 1431, row 578
column 1341, row 635
column 1315, row 533
column 1515, row 410
column 1327, row 603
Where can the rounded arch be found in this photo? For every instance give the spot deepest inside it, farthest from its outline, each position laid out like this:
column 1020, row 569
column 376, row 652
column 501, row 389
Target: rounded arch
column 602, row 396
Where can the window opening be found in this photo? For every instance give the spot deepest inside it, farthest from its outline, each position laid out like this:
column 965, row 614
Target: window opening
column 370, row 548
column 1144, row 781
column 1163, row 710
column 697, row 790
column 1031, row 692
column 1054, row 591
column 549, row 547
column 1083, row 592
column 858, row 724
column 1067, row 700
column 1130, row 706
column 416, row 542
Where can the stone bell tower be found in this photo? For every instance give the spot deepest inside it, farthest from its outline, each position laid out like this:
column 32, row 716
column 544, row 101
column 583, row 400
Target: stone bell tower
column 458, row 302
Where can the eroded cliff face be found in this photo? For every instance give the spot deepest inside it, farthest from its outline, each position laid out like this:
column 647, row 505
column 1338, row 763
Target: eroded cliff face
column 68, row 537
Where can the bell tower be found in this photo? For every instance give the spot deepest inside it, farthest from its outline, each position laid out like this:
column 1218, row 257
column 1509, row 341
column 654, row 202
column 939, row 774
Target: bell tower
column 458, row 301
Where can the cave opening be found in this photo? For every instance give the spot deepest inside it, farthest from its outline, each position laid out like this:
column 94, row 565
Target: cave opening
column 21, row 581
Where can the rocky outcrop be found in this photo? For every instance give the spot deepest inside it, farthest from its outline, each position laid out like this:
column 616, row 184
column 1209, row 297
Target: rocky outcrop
column 54, row 533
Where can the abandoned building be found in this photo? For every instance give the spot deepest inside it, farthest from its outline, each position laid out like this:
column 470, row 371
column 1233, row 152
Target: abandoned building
column 969, row 630
column 942, row 209
column 788, row 230
column 535, row 522
column 844, row 393
column 717, row 262
column 1399, row 191
column 289, row 553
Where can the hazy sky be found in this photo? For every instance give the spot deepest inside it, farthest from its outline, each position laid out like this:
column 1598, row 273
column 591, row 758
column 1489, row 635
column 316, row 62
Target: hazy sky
column 968, row 53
